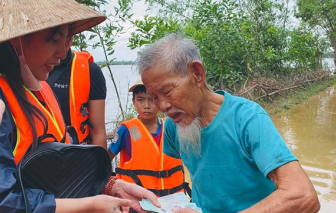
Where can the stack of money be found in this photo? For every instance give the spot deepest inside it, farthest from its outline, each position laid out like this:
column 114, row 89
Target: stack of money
column 168, row 203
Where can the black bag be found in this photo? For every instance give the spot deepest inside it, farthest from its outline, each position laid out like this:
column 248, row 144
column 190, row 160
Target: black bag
column 67, row 171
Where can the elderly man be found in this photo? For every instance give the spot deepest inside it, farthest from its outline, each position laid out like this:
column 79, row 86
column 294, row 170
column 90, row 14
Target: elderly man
column 237, row 160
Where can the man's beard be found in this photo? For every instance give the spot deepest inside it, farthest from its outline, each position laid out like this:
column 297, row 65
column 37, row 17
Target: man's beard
column 190, row 137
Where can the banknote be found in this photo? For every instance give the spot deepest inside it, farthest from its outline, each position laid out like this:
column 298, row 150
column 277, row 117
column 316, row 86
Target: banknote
column 169, row 202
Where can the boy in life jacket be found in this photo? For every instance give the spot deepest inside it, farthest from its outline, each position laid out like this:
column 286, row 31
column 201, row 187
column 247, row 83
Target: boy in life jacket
column 139, row 142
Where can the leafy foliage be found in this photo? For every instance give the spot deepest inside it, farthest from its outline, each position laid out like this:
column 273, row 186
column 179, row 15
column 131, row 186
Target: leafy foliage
column 237, row 39
column 104, row 35
column 320, row 13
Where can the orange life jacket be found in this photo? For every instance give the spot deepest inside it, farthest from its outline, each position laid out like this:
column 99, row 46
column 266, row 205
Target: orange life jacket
column 149, row 167
column 24, row 135
column 79, row 94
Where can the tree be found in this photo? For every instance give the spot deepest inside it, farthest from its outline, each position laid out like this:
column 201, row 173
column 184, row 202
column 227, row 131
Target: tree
column 320, row 13
column 104, row 35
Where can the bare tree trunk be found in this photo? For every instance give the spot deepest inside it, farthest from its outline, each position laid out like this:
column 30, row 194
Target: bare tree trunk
column 334, row 58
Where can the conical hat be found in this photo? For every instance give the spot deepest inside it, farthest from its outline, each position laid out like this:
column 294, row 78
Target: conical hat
column 21, row 17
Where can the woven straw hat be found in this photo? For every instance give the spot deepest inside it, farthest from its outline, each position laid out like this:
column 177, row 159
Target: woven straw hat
column 21, row 17
column 137, row 83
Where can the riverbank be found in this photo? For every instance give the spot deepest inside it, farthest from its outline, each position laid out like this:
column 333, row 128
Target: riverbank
column 292, row 98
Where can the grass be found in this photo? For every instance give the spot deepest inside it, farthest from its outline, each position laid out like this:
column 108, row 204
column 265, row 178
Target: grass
column 295, row 97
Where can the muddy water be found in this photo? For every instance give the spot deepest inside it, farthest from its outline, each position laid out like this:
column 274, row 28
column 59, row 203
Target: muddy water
column 309, row 130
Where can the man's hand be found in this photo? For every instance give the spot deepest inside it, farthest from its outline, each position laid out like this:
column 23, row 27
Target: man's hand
column 185, row 210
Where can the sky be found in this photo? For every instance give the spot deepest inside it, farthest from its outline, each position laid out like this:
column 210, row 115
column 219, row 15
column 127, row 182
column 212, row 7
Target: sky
column 122, row 52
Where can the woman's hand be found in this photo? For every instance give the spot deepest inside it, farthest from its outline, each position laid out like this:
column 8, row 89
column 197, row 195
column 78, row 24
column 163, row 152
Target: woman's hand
column 95, row 204
column 134, row 193
column 109, row 204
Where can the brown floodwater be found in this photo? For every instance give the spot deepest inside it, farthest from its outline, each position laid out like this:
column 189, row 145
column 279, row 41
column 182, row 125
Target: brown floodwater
column 309, row 130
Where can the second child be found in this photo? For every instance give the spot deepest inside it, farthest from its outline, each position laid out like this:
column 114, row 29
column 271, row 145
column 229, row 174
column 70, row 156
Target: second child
column 139, row 142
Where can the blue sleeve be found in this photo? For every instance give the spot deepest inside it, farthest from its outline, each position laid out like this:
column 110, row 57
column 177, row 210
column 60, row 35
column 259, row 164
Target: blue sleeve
column 119, row 140
column 11, row 197
column 265, row 145
column 170, row 139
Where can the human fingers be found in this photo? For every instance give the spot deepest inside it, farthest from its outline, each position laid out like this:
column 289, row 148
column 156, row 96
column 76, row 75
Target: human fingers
column 184, row 210
column 118, row 203
column 109, row 204
column 136, row 192
column 151, row 196
column 125, row 209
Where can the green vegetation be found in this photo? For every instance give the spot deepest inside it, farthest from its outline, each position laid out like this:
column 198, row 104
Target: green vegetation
column 320, row 14
column 240, row 41
column 295, row 97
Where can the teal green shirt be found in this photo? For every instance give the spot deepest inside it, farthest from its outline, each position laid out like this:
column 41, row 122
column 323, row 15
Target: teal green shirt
column 239, row 148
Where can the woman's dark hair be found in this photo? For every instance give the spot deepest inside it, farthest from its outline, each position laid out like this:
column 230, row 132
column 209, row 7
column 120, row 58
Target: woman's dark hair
column 10, row 68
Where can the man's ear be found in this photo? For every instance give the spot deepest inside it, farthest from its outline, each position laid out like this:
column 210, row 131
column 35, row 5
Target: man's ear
column 198, row 71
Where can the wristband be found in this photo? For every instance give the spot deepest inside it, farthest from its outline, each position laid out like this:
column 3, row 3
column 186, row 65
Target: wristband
column 108, row 187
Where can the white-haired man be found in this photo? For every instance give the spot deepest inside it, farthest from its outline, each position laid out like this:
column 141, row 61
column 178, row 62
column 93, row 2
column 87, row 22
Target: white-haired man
column 237, row 160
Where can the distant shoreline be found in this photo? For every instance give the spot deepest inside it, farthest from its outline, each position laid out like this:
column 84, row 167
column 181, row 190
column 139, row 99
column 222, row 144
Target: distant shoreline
column 116, row 63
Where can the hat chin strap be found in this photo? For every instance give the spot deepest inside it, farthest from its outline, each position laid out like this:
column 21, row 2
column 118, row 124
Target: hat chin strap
column 27, row 76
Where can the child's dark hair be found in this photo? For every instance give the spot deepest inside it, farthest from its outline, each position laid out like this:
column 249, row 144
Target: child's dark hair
column 139, row 89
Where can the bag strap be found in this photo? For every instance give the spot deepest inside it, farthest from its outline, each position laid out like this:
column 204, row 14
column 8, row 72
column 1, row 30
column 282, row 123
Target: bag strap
column 18, row 172
column 52, row 78
column 73, row 134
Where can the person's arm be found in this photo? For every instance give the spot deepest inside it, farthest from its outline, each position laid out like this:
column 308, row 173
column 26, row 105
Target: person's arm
column 119, row 141
column 294, row 192
column 97, row 204
column 112, row 156
column 97, row 118
column 96, row 106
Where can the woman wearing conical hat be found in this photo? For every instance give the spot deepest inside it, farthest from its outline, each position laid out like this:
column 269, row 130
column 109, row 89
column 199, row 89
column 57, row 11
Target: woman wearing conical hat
column 33, row 34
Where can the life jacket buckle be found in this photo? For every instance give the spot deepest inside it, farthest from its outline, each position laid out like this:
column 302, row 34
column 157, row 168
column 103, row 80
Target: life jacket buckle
column 163, row 174
column 82, row 128
column 83, row 111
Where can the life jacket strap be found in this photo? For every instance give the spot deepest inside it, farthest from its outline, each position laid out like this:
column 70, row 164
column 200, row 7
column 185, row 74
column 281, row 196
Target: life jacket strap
column 86, row 122
column 164, row 192
column 158, row 174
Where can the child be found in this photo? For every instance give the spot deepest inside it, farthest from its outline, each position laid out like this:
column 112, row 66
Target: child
column 140, row 143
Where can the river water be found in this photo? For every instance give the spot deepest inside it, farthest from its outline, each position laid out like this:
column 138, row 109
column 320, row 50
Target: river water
column 125, row 76
column 309, row 130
